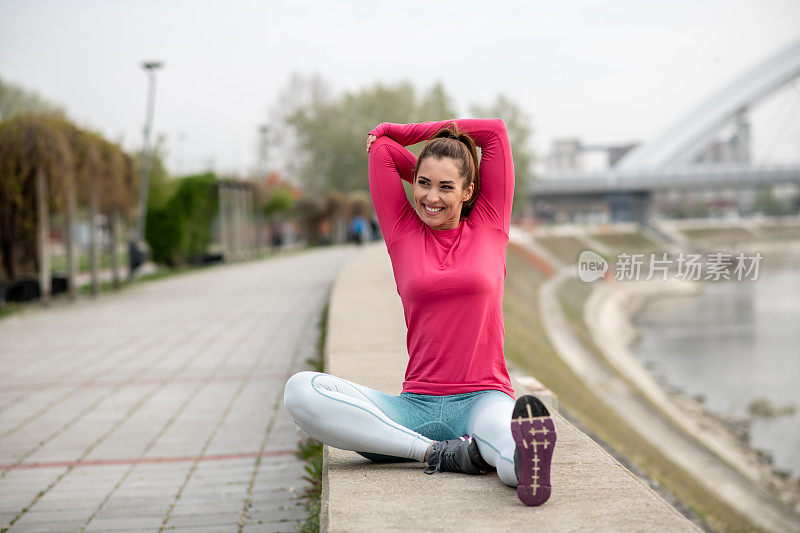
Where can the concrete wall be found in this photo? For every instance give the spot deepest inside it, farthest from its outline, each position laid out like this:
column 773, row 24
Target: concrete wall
column 366, row 344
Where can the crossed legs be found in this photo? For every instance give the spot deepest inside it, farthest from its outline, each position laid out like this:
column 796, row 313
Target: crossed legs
column 346, row 415
column 350, row 416
column 489, row 425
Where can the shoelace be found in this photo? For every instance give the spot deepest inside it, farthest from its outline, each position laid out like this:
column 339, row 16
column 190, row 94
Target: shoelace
column 446, row 457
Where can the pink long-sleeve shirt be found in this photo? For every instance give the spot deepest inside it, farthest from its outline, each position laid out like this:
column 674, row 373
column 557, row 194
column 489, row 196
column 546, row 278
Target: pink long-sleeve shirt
column 450, row 281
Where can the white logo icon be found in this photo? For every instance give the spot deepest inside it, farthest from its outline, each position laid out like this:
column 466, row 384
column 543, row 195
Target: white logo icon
column 591, row 266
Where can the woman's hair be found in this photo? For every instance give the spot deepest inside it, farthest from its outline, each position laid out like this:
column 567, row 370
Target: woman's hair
column 459, row 146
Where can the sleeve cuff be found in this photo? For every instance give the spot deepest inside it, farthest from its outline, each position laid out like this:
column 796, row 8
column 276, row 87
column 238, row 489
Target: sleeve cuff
column 379, row 130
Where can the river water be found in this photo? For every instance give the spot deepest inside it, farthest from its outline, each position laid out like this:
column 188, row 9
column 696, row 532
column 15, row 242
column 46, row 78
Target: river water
column 736, row 342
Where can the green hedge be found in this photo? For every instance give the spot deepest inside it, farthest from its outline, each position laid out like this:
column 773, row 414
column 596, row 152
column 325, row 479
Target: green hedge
column 181, row 227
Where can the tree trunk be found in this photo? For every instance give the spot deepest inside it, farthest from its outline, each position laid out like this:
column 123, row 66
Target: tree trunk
column 114, row 230
column 237, row 224
column 94, row 248
column 43, row 236
column 69, row 238
column 251, row 234
column 223, row 242
column 226, row 221
column 340, row 228
column 242, row 244
column 251, row 218
column 247, row 224
column 258, row 223
column 233, row 205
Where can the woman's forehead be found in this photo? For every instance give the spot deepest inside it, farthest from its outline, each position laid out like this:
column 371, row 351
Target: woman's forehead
column 438, row 169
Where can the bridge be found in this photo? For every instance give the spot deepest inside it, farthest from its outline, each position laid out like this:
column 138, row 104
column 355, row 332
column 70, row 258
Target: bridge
column 696, row 177
column 685, row 156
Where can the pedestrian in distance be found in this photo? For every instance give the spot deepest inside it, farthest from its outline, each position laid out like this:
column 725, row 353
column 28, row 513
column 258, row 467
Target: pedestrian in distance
column 357, row 229
column 457, row 411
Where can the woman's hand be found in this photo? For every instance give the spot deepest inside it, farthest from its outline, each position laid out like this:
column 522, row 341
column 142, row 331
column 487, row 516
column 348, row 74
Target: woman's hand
column 370, row 140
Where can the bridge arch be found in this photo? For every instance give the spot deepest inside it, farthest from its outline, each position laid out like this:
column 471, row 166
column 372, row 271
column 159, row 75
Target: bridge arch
column 686, row 138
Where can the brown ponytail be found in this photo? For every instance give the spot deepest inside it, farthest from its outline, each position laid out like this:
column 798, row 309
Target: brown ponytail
column 459, row 146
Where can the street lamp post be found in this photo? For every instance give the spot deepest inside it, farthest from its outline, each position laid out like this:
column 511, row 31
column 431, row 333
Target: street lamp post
column 263, row 130
column 137, row 253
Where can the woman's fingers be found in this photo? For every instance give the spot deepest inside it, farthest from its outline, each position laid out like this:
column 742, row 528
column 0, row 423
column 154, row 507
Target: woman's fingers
column 370, row 139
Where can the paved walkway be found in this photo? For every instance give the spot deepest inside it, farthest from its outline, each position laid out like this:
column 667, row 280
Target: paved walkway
column 160, row 407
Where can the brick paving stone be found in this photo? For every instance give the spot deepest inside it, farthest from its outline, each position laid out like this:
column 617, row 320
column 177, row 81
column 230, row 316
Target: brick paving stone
column 83, row 488
column 204, row 519
column 286, row 514
column 207, row 529
column 59, row 526
column 37, row 516
column 163, row 401
column 140, row 522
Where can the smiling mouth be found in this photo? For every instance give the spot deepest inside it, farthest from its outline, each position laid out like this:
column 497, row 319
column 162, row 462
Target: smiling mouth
column 430, row 211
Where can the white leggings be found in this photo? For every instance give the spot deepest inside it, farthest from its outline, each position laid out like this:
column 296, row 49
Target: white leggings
column 349, row 416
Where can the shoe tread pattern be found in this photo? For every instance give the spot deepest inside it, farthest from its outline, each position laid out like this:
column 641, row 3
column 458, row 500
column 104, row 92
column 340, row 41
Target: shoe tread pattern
column 535, row 435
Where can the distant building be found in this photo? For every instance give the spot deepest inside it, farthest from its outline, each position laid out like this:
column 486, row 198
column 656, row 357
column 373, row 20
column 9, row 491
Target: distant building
column 570, row 153
column 734, row 149
column 565, row 154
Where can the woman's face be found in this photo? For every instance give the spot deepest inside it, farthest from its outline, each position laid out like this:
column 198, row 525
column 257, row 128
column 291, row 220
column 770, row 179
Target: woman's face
column 439, row 192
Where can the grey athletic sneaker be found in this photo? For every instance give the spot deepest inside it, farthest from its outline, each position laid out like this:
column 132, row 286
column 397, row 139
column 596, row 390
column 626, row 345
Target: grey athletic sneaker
column 456, row 455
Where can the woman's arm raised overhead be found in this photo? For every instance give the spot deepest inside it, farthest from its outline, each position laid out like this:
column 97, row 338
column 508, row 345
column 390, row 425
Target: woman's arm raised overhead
column 495, row 200
column 388, row 164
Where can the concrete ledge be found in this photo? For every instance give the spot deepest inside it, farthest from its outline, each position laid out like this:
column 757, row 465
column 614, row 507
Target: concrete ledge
column 366, row 344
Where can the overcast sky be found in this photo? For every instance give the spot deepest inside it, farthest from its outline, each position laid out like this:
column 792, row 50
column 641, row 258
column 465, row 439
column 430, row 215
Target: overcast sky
column 611, row 71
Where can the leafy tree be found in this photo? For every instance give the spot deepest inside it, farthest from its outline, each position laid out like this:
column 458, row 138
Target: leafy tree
column 163, row 228
column 30, row 146
column 768, row 204
column 15, row 100
column 329, row 133
column 299, row 92
column 181, row 227
column 163, row 231
column 360, row 203
column 435, row 105
column 280, row 199
column 196, row 197
column 160, row 186
column 311, row 212
column 43, row 156
column 322, row 136
column 118, row 192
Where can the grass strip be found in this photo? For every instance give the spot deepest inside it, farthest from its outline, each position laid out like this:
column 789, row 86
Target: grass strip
column 626, row 242
column 719, row 236
column 58, row 262
column 310, row 450
column 566, row 249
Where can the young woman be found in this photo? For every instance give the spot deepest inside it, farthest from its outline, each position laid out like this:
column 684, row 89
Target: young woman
column 448, row 251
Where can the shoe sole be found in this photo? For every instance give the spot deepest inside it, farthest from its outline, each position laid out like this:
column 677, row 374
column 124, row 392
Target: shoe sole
column 535, row 435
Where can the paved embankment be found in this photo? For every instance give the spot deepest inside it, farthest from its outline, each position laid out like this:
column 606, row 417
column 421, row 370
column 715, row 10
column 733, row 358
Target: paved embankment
column 679, row 446
column 366, row 344
column 160, row 407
